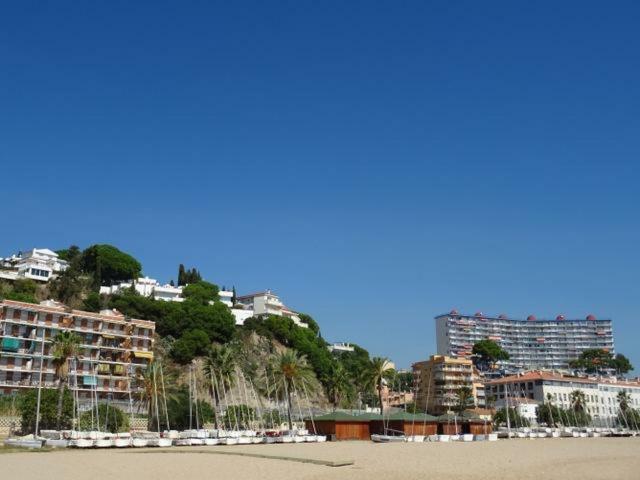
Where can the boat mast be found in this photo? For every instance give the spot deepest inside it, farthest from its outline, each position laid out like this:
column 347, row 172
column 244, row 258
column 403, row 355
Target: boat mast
column 507, row 411
column 37, row 429
column 155, row 397
column 190, row 402
column 164, row 399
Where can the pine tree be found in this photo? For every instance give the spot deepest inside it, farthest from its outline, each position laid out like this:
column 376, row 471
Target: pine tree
column 181, row 275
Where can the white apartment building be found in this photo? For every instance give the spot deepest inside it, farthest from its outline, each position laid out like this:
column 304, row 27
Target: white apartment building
column 525, row 407
column 532, row 343
column 600, row 393
column 340, row 347
column 40, row 264
column 263, row 304
column 226, row 297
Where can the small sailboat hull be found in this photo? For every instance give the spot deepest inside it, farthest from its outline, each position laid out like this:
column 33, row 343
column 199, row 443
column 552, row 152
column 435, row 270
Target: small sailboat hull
column 122, row 442
column 56, row 443
column 387, row 438
column 23, row 443
column 104, row 443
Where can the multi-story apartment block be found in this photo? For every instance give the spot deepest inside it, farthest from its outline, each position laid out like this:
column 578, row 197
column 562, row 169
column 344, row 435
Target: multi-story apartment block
column 601, row 393
column 262, row 304
column 531, row 343
column 39, row 264
column 114, row 352
column 439, row 379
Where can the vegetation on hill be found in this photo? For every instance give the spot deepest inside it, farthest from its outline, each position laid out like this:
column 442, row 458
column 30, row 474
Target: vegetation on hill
column 108, row 265
column 194, row 324
column 187, row 330
column 186, row 277
column 21, row 290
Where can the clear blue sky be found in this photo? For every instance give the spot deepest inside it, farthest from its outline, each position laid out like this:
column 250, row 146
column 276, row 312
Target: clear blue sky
column 375, row 163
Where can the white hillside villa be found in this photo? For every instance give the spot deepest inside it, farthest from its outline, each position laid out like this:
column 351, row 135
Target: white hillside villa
column 150, row 287
column 40, row 264
column 263, row 304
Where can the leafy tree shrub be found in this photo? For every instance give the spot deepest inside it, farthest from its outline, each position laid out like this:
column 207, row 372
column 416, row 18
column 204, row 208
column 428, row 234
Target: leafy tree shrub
column 93, row 302
column 200, row 292
column 192, row 344
column 308, row 319
column 487, row 353
column 108, row 265
column 516, row 420
column 594, row 360
column 27, row 406
column 176, row 319
column 69, row 254
column 110, row 418
column 178, row 411
column 22, row 290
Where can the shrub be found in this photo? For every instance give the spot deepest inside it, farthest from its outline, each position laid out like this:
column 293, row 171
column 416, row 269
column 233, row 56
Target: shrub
column 109, row 418
column 27, row 406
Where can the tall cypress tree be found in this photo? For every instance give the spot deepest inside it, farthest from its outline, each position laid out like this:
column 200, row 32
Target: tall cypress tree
column 181, row 275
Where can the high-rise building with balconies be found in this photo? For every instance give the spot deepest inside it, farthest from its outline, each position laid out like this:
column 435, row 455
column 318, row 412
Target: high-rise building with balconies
column 531, row 343
column 114, row 351
column 438, row 382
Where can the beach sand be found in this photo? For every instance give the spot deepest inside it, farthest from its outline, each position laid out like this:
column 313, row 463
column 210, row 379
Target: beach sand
column 566, row 459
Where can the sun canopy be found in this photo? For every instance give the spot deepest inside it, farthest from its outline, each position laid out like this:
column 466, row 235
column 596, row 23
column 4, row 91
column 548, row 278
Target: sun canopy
column 148, row 355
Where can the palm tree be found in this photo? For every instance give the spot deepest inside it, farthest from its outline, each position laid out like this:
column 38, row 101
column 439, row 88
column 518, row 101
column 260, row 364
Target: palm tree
column 219, row 364
column 465, row 394
column 623, row 400
column 146, row 393
column 379, row 369
column 337, row 384
column 577, row 400
column 290, row 368
column 65, row 347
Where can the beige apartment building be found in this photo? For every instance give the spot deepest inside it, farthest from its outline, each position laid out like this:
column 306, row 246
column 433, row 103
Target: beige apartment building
column 115, row 350
column 439, row 379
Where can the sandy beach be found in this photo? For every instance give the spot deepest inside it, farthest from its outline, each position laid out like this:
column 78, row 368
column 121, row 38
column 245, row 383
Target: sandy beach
column 597, row 458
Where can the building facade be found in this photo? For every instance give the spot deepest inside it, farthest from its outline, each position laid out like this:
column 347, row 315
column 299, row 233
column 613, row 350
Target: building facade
column 601, row 393
column 263, row 304
column 531, row 343
column 40, row 264
column 114, row 352
column 439, row 379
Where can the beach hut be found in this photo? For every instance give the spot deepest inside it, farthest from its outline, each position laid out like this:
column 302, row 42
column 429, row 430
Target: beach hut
column 476, row 425
column 405, row 423
column 450, row 424
column 341, row 426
